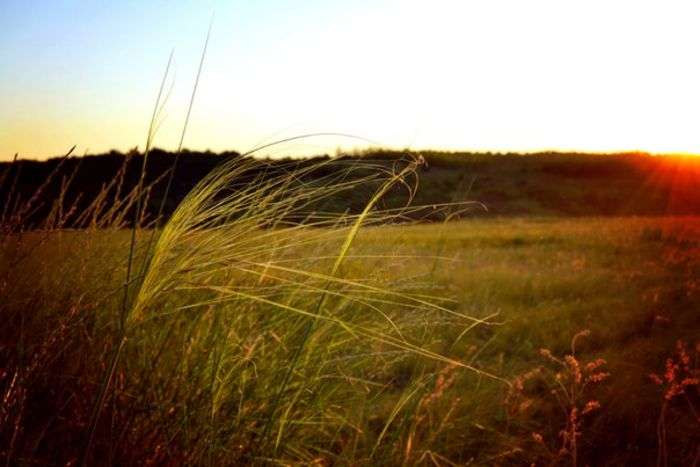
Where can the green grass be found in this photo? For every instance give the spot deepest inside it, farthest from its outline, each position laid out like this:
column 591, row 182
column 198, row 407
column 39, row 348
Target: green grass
column 390, row 360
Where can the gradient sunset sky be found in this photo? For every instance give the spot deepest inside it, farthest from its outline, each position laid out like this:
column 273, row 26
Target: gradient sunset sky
column 474, row 75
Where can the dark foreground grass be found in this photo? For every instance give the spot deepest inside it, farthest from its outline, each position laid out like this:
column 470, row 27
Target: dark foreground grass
column 198, row 385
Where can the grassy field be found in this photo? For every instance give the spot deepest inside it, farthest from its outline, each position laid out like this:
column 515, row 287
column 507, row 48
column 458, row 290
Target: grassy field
column 428, row 349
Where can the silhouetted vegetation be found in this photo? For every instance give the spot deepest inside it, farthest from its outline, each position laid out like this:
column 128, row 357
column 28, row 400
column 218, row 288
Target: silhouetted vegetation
column 552, row 184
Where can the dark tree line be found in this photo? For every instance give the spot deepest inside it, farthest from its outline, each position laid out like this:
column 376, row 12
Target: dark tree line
column 507, row 184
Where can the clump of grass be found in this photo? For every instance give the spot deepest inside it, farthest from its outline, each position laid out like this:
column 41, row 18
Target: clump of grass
column 278, row 269
column 679, row 383
column 568, row 381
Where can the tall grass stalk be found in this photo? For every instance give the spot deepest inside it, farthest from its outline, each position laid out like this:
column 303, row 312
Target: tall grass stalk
column 222, row 243
column 137, row 212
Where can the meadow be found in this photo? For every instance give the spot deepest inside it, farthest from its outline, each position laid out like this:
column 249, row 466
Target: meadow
column 356, row 339
column 377, row 307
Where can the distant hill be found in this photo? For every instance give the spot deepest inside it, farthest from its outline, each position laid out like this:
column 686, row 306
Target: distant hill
column 543, row 184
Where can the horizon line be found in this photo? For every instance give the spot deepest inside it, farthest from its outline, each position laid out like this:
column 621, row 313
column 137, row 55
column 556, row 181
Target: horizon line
column 358, row 151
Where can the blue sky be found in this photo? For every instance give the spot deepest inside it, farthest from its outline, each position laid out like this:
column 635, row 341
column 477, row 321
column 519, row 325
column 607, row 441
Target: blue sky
column 478, row 75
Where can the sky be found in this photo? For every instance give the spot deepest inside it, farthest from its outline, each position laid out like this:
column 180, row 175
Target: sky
column 483, row 75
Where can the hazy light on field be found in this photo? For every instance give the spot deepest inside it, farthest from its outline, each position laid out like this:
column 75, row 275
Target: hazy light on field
column 475, row 75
